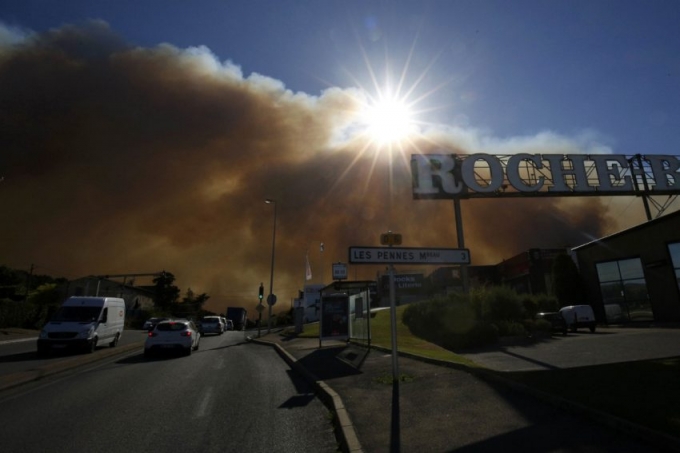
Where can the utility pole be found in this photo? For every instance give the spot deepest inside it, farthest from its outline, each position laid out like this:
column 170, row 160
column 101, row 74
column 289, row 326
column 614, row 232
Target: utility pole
column 28, row 283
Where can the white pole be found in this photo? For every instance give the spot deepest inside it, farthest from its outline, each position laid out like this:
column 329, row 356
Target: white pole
column 393, row 319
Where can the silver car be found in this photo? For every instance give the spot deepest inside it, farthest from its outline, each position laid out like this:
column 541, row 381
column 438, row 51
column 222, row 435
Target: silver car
column 172, row 336
column 212, row 324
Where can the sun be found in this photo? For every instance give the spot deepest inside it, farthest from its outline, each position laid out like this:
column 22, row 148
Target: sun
column 388, row 120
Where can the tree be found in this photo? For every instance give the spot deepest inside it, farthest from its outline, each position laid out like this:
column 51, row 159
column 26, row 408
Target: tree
column 568, row 286
column 189, row 299
column 191, row 304
column 167, row 294
column 10, row 282
column 200, row 300
column 46, row 298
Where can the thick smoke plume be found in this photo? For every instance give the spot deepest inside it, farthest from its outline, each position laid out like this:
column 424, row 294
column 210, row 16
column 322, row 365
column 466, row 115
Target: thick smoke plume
column 119, row 159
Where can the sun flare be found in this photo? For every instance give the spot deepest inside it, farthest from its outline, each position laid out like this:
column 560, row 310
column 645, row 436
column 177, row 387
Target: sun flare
column 388, row 120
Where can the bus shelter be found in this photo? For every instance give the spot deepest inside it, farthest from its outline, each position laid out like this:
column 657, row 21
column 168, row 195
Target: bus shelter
column 345, row 312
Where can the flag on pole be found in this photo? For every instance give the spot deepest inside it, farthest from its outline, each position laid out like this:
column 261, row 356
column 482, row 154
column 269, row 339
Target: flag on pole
column 308, row 268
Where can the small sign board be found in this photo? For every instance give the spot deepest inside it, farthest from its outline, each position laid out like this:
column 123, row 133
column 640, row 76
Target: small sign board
column 407, row 255
column 339, row 271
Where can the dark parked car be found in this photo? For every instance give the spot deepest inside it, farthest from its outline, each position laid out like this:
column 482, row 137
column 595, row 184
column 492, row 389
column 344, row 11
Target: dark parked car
column 557, row 322
column 151, row 323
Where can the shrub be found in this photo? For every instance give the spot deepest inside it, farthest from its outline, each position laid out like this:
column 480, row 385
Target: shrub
column 540, row 325
column 449, row 322
column 502, row 304
column 510, row 328
column 475, row 319
column 547, row 303
column 20, row 314
column 530, row 305
column 482, row 334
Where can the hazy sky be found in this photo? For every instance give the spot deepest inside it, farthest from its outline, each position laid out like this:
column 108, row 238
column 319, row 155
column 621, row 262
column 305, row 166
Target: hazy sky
column 142, row 136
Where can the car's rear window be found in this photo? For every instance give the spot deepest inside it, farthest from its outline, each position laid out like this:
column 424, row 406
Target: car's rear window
column 209, row 320
column 171, row 326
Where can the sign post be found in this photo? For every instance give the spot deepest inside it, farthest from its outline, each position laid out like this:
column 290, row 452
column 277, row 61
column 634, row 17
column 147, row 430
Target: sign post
column 260, row 307
column 407, row 255
column 339, row 271
column 391, row 255
column 393, row 322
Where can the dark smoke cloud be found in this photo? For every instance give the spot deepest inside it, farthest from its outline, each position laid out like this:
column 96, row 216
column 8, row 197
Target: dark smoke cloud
column 120, row 159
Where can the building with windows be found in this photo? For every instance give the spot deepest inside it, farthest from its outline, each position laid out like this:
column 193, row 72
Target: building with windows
column 634, row 275
column 530, row 272
column 135, row 297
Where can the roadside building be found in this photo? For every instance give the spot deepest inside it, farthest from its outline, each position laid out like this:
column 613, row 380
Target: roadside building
column 446, row 280
column 530, row 272
column 135, row 297
column 408, row 287
column 634, row 275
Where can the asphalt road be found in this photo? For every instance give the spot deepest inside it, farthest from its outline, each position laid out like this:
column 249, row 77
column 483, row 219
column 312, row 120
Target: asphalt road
column 227, row 396
column 21, row 355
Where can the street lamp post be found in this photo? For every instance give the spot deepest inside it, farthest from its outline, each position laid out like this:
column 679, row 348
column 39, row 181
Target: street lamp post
column 270, row 299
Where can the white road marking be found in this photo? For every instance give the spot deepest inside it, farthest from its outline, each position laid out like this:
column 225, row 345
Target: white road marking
column 203, row 407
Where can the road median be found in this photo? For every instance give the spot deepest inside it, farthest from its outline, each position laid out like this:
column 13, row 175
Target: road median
column 16, row 379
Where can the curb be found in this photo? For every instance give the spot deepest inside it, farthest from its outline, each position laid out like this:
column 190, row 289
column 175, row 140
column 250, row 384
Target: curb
column 16, row 379
column 349, row 441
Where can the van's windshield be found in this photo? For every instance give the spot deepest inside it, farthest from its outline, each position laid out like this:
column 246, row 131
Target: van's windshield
column 77, row 314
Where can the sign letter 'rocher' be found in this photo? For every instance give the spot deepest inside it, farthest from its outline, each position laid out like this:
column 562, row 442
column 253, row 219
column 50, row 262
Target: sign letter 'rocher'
column 447, row 176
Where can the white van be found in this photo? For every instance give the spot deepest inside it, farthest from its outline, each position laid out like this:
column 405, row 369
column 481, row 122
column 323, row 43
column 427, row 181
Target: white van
column 578, row 316
column 84, row 323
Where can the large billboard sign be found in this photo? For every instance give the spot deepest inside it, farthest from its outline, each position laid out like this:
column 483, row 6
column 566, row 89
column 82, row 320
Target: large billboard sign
column 448, row 176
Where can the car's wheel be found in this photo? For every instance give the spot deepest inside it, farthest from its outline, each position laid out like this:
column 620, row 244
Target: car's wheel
column 198, row 343
column 114, row 343
column 592, row 328
column 564, row 332
column 147, row 353
column 187, row 351
column 92, row 346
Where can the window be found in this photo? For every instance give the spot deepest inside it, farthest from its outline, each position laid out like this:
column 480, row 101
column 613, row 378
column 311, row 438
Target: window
column 674, row 250
column 171, row 326
column 624, row 290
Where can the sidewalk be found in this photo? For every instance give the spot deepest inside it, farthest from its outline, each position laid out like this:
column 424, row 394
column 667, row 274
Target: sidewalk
column 438, row 408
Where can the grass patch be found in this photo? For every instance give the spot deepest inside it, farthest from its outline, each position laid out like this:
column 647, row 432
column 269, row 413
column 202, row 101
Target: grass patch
column 388, row 379
column 406, row 342
column 643, row 392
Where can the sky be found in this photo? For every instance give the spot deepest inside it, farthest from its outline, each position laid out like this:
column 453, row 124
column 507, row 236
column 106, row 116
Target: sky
column 145, row 136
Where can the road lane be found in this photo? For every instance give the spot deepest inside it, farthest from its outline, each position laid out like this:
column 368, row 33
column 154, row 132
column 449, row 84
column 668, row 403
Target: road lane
column 20, row 356
column 227, row 396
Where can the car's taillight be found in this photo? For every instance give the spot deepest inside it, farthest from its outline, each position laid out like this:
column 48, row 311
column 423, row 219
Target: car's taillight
column 153, row 334
column 186, row 333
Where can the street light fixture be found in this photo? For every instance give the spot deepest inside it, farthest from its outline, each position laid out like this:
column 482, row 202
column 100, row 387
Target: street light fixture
column 270, row 299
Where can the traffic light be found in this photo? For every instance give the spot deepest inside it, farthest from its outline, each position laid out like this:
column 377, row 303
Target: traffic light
column 261, row 291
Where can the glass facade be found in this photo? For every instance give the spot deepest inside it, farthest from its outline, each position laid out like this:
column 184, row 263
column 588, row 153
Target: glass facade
column 674, row 250
column 624, row 290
